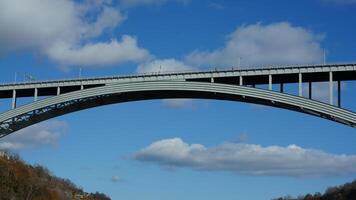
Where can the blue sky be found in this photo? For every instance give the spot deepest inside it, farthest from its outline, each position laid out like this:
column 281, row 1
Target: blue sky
column 113, row 149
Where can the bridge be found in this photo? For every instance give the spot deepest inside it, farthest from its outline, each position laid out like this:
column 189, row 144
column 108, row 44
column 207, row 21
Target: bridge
column 59, row 97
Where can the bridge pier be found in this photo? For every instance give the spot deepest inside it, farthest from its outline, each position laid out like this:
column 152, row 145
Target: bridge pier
column 281, row 88
column 36, row 94
column 58, row 91
column 270, row 82
column 13, row 106
column 241, row 79
column 331, row 95
column 300, row 84
column 310, row 90
column 212, row 79
column 339, row 93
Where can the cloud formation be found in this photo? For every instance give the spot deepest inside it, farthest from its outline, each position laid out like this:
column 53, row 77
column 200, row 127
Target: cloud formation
column 163, row 66
column 258, row 44
column 63, row 30
column 45, row 133
column 99, row 54
column 248, row 159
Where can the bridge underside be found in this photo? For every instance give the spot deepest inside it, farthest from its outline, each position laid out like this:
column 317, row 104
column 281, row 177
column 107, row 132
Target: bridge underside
column 51, row 107
column 50, row 90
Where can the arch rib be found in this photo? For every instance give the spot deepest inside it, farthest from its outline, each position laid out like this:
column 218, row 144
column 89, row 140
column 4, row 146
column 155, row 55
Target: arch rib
column 41, row 110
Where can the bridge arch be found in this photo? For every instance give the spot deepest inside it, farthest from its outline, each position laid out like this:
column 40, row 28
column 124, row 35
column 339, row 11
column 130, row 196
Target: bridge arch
column 51, row 107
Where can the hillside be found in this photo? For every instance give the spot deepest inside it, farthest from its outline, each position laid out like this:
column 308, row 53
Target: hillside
column 343, row 192
column 19, row 180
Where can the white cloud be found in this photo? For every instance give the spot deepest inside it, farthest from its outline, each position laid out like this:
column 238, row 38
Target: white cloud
column 248, row 159
column 163, row 66
column 99, row 54
column 46, row 133
column 277, row 43
column 62, row 30
column 108, row 18
column 35, row 23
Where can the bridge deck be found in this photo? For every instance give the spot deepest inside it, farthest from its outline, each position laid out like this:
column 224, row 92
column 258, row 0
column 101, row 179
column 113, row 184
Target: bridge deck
column 311, row 73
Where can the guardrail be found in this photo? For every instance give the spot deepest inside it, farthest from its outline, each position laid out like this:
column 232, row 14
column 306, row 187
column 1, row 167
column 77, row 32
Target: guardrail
column 186, row 72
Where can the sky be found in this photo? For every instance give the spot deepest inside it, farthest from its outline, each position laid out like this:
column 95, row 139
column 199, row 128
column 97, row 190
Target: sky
column 182, row 149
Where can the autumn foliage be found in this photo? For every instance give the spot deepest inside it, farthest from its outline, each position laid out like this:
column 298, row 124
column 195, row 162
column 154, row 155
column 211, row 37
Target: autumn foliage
column 19, row 180
column 343, row 192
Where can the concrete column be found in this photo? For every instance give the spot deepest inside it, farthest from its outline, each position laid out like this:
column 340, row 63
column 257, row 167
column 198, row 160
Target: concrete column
column 310, row 90
column 82, row 87
column 241, row 80
column 270, row 82
column 212, row 79
column 36, row 94
column 13, row 99
column 331, row 94
column 58, row 90
column 339, row 93
column 281, row 89
column 300, row 84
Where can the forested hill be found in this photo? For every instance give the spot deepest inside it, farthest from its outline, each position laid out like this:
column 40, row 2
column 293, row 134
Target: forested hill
column 19, row 180
column 343, row 192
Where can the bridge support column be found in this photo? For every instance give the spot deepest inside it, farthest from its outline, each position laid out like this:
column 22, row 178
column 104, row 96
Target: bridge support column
column 36, row 94
column 58, row 90
column 281, row 88
column 339, row 93
column 310, row 90
column 331, row 95
column 212, row 79
column 13, row 99
column 300, row 84
column 241, row 81
column 81, row 87
column 270, row 82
